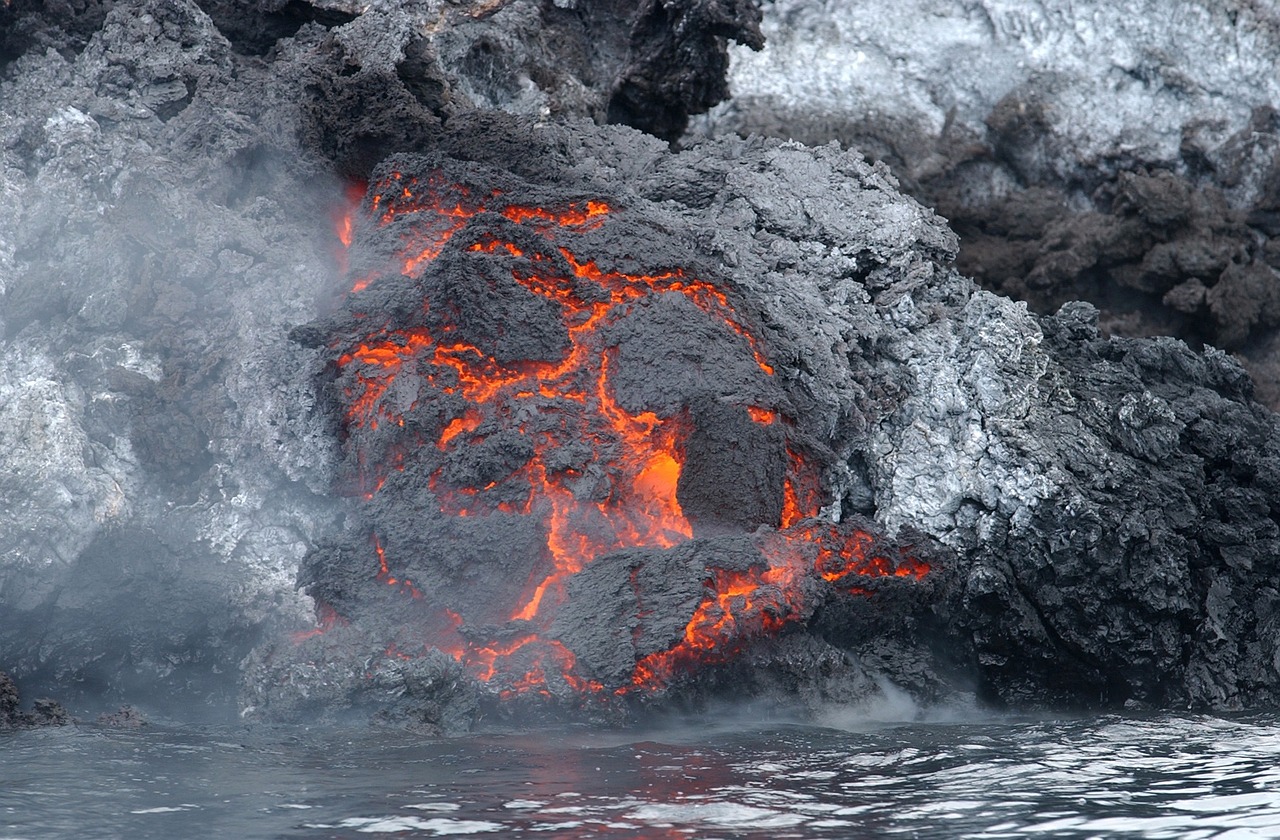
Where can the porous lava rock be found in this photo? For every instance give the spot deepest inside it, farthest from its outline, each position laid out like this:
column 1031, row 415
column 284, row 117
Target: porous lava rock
column 9, row 702
column 1097, row 515
column 44, row 712
column 973, row 499
column 678, row 60
column 1128, row 156
column 126, row 717
column 547, row 397
column 169, row 173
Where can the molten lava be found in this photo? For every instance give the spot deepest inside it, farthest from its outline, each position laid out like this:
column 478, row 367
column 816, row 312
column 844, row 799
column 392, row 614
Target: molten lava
column 633, row 502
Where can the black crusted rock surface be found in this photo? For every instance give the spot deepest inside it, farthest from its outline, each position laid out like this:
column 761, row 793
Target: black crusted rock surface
column 678, row 61
column 1128, row 156
column 44, row 712
column 170, row 171
column 1105, row 508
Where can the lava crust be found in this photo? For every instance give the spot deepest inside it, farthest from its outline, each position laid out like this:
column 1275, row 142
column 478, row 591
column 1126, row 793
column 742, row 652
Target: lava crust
column 536, row 353
column 545, row 398
column 544, row 415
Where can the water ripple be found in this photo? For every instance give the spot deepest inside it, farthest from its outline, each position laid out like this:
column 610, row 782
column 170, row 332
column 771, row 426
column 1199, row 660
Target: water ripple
column 1172, row 776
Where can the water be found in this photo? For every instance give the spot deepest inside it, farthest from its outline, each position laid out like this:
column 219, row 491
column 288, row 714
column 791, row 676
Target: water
column 1167, row 776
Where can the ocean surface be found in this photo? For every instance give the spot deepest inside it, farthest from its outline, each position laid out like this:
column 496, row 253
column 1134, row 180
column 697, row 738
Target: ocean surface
column 720, row 776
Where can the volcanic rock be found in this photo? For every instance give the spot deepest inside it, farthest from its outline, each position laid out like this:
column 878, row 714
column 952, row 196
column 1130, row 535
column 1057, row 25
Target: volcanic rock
column 170, row 170
column 1086, row 512
column 848, row 467
column 126, row 717
column 44, row 712
column 324, row 682
column 1128, row 155
column 9, row 701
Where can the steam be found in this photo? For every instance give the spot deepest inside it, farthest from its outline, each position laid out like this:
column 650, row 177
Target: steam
column 891, row 704
column 163, row 471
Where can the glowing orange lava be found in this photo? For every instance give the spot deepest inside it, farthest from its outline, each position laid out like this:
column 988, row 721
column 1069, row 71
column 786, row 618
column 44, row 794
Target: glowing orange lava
column 344, row 220
column 327, row 618
column 741, row 606
column 801, row 492
column 640, row 506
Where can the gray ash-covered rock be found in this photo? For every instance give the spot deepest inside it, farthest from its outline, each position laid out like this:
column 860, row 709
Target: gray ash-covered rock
column 1094, row 518
column 160, row 473
column 404, row 70
column 1125, row 155
column 168, row 174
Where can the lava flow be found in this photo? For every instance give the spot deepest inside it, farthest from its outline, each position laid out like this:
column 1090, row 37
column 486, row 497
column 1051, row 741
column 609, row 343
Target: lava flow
column 601, row 472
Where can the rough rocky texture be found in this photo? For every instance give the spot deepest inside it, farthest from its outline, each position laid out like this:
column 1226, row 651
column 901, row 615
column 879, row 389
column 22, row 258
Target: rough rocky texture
column 169, row 174
column 126, row 717
column 1098, row 515
column 345, row 675
column 160, row 473
column 9, row 702
column 687, row 36
column 44, row 712
column 613, row 318
column 1110, row 503
column 1127, row 155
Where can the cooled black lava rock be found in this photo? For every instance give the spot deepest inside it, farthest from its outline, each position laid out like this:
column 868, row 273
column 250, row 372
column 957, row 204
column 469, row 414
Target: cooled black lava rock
column 1161, row 251
column 1137, row 167
column 168, row 172
column 404, row 70
column 678, row 61
column 126, row 717
column 9, row 702
column 44, row 712
column 1105, row 504
column 542, row 388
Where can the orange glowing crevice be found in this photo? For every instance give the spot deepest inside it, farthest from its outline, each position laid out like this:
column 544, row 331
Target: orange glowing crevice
column 385, row 576
column 739, row 606
column 344, row 215
column 635, row 500
column 372, row 480
column 327, row 618
column 742, row 606
column 571, row 217
column 344, row 230
column 466, row 423
column 380, row 361
column 643, row 509
column 442, row 209
column 534, row 679
column 486, row 661
column 801, row 491
column 839, row 555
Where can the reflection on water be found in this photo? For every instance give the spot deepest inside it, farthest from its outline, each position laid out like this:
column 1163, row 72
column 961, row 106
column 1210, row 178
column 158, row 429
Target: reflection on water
column 1167, row 776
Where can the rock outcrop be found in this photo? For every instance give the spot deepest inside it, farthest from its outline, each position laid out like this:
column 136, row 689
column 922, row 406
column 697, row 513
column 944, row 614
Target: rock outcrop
column 170, row 170
column 1129, row 156
column 44, row 712
column 1099, row 513
column 1094, row 518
